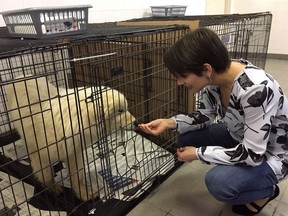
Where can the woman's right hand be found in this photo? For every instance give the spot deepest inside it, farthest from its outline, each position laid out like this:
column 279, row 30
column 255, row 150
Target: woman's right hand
column 157, row 126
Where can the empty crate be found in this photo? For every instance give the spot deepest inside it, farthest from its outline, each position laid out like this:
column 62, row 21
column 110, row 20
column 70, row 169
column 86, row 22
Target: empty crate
column 41, row 22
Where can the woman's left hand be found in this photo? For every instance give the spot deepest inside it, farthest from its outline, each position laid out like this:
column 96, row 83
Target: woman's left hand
column 187, row 154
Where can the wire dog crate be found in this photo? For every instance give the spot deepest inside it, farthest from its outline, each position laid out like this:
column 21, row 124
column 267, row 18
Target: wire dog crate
column 66, row 102
column 245, row 35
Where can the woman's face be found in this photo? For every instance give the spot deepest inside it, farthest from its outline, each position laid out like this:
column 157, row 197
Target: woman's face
column 193, row 82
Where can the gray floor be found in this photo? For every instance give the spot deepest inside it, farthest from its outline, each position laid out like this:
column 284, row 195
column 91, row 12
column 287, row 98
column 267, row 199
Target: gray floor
column 184, row 192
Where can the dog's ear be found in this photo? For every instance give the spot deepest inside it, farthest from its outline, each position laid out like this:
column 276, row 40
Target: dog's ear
column 108, row 108
column 111, row 105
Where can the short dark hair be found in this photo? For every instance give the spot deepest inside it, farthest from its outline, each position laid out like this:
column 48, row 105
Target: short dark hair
column 193, row 50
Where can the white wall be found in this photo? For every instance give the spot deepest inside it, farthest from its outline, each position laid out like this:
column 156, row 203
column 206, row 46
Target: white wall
column 215, row 7
column 108, row 10
column 119, row 10
column 279, row 29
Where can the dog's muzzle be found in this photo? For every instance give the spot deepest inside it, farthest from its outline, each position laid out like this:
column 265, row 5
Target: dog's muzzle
column 132, row 126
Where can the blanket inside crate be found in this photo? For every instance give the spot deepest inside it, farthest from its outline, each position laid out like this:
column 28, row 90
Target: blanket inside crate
column 123, row 165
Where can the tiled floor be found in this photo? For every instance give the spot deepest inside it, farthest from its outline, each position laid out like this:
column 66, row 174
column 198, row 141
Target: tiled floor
column 184, row 192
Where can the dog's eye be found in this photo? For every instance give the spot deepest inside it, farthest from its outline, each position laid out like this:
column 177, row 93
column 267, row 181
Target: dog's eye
column 120, row 110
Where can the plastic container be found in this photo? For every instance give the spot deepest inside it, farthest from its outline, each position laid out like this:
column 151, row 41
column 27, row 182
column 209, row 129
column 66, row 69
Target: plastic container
column 44, row 22
column 168, row 10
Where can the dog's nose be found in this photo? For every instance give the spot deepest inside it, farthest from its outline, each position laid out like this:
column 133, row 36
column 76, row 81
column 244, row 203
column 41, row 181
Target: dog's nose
column 136, row 126
column 136, row 123
column 131, row 126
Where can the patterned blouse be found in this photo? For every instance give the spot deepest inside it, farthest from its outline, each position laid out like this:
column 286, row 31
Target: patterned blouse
column 256, row 117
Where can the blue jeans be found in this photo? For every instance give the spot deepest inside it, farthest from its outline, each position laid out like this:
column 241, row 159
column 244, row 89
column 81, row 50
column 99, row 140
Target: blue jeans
column 231, row 184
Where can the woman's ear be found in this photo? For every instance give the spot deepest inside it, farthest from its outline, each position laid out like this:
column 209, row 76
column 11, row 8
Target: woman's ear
column 207, row 70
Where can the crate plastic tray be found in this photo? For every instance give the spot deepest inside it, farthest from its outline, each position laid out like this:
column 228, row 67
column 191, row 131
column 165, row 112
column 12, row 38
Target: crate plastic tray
column 43, row 22
column 168, row 10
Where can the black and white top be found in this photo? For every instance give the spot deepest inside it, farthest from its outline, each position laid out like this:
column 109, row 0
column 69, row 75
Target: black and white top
column 257, row 117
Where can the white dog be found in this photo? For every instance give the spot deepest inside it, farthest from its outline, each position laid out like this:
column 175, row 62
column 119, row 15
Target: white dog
column 57, row 125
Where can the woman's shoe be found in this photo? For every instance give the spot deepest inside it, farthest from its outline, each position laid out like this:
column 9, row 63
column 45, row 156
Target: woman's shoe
column 244, row 210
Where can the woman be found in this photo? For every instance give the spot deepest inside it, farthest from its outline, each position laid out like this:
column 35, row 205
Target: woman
column 250, row 145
